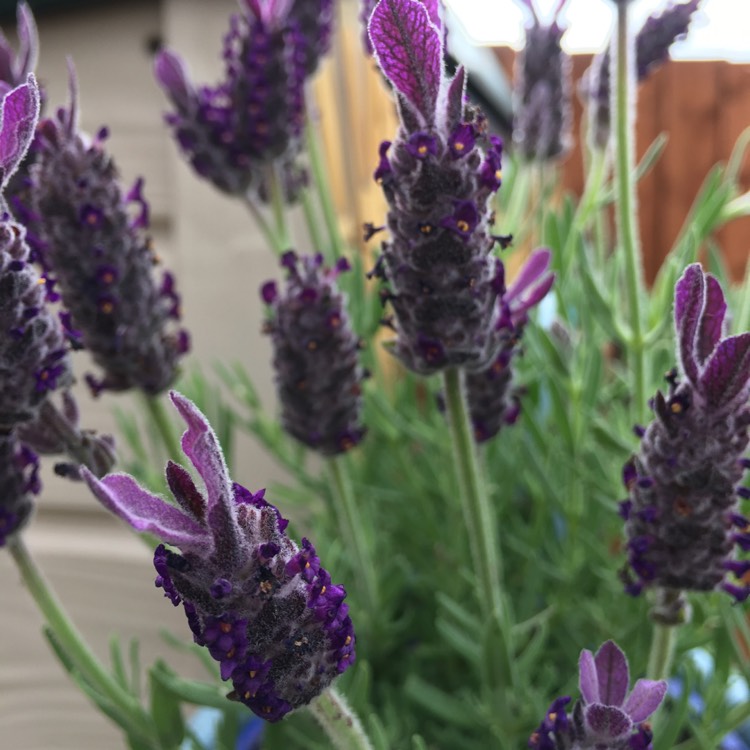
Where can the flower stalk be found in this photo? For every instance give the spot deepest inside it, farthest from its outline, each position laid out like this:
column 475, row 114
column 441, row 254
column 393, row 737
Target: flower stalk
column 339, row 722
column 352, row 527
column 323, row 189
column 627, row 221
column 480, row 521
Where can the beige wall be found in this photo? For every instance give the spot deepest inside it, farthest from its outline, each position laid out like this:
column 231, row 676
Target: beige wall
column 101, row 571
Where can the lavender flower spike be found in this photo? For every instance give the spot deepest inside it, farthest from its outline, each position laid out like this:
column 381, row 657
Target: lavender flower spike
column 542, row 111
column 607, row 717
column 256, row 114
column 94, row 245
column 492, row 402
column 264, row 608
column 683, row 522
column 316, row 356
column 660, row 31
column 438, row 177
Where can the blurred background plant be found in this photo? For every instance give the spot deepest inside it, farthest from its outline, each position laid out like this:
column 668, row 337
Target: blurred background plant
column 436, row 667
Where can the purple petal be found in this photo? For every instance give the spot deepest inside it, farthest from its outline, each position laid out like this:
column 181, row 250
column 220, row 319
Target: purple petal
column 712, row 320
column 270, row 12
column 455, row 99
column 201, row 446
column 606, row 722
column 124, row 497
column 171, row 73
column 689, row 298
column 433, row 9
column 612, row 674
column 409, row 49
column 587, row 679
column 644, row 699
column 727, row 374
column 28, row 42
column 20, row 111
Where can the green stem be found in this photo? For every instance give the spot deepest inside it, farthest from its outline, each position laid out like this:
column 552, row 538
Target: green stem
column 75, row 647
column 480, row 518
column 266, row 230
column 662, row 652
column 278, row 206
column 312, row 223
column 627, row 223
column 323, row 189
column 340, row 723
column 352, row 528
column 159, row 417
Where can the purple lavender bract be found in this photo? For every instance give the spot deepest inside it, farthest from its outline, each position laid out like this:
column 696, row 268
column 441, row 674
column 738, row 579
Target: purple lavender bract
column 438, row 177
column 683, row 523
column 607, row 717
column 542, row 111
column 316, row 356
column 264, row 608
column 491, row 401
column 103, row 261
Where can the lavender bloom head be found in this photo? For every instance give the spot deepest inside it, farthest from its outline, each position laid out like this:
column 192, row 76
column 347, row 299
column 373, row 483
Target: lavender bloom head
column 316, row 356
column 19, row 480
column 659, row 32
column 683, row 523
column 543, row 116
column 103, row 261
column 492, row 402
column 256, row 114
column 438, row 177
column 264, row 608
column 607, row 717
column 33, row 350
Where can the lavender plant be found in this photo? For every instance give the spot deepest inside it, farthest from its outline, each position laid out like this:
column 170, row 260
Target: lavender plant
column 472, row 589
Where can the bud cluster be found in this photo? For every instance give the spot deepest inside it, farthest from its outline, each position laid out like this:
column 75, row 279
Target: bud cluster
column 316, row 356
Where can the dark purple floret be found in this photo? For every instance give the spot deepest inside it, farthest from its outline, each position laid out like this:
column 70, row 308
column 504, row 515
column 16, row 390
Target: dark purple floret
column 19, row 480
column 103, row 262
column 316, row 357
column 232, row 131
column 438, row 177
column 542, row 111
column 660, row 31
column 685, row 480
column 607, row 717
column 493, row 402
column 265, row 608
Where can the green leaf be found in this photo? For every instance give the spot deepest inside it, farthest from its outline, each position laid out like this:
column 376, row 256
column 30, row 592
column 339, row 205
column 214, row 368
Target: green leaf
column 189, row 691
column 118, row 666
column 439, row 703
column 165, row 708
